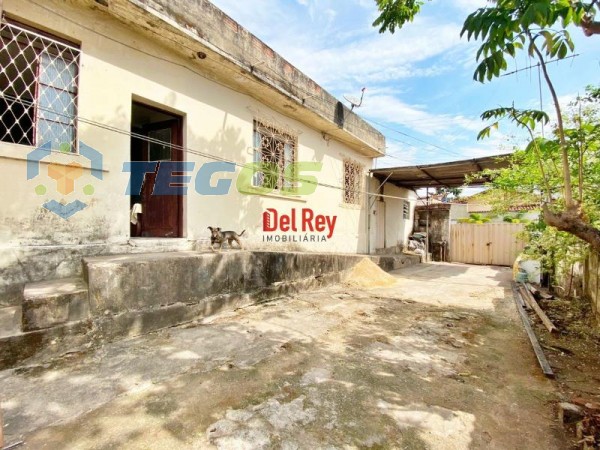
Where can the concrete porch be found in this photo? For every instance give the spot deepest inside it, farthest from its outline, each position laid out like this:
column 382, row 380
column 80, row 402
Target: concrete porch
column 134, row 294
column 411, row 365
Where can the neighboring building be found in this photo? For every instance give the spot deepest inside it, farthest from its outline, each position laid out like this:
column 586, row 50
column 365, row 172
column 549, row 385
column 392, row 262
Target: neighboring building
column 88, row 86
column 525, row 212
column 434, row 216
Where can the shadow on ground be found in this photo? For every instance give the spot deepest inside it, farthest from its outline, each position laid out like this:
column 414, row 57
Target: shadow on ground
column 423, row 364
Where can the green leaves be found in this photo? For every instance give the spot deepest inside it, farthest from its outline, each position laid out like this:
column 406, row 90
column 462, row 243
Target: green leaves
column 395, row 13
column 508, row 25
column 523, row 118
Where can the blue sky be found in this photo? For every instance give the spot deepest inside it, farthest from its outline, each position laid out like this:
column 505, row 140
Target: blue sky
column 420, row 92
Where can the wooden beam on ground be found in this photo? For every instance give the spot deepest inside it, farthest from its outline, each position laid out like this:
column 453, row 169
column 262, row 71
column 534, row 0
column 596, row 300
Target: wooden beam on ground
column 539, row 311
column 545, row 295
column 532, row 289
column 539, row 353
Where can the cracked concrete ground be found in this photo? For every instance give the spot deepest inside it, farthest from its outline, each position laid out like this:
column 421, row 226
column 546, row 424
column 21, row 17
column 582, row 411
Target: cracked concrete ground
column 439, row 360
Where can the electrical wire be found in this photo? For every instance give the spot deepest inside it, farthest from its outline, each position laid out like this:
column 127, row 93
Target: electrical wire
column 307, row 94
column 184, row 149
column 197, row 152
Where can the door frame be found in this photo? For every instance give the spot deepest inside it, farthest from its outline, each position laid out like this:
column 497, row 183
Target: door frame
column 176, row 155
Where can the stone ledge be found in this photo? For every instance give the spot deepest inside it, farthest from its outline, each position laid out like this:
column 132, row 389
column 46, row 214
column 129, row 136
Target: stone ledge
column 50, row 303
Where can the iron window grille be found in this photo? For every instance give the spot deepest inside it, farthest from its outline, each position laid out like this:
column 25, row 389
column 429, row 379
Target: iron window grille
column 274, row 150
column 352, row 182
column 38, row 82
column 406, row 210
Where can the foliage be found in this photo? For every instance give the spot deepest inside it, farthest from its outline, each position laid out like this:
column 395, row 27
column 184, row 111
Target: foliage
column 539, row 27
column 395, row 13
column 446, row 192
column 556, row 250
column 513, row 25
column 506, row 29
column 530, row 171
column 536, row 169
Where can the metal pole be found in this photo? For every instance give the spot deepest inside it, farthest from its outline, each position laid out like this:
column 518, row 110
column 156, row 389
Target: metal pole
column 369, row 207
column 427, row 227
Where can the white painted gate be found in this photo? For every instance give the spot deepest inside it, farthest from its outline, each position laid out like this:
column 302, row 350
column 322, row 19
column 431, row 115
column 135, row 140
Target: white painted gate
column 488, row 243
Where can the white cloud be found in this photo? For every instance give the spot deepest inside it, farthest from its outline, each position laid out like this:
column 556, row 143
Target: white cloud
column 392, row 110
column 418, row 80
column 398, row 154
column 376, row 58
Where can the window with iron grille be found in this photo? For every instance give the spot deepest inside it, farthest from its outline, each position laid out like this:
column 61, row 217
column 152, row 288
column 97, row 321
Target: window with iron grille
column 352, row 182
column 38, row 84
column 405, row 210
column 274, row 150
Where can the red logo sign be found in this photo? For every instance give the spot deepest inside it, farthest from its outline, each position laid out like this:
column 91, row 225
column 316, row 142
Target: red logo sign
column 306, row 221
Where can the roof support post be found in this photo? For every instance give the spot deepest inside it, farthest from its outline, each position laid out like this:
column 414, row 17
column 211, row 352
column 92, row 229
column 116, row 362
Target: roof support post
column 427, row 227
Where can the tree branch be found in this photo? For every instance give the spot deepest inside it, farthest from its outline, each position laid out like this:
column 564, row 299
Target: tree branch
column 571, row 220
column 561, row 130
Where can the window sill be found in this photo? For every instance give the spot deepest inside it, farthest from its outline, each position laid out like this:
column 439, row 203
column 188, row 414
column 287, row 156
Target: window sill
column 20, row 152
column 293, row 198
column 354, row 206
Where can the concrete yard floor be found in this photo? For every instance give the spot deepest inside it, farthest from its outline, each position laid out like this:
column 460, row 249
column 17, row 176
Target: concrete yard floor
column 439, row 361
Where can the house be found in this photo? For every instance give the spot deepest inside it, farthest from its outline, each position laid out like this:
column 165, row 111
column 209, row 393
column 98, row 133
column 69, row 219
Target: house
column 130, row 127
column 433, row 216
column 475, row 210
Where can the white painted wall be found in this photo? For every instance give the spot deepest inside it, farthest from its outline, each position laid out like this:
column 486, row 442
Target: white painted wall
column 396, row 228
column 217, row 121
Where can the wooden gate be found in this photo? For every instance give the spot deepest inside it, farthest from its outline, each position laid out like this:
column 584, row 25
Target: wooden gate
column 488, row 243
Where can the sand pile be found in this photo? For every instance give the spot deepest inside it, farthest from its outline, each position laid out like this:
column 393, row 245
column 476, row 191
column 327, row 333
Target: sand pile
column 368, row 274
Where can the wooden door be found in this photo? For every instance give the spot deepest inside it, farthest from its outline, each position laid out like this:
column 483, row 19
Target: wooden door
column 162, row 214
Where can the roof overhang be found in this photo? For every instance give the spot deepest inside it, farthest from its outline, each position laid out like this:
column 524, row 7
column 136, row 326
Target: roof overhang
column 220, row 49
column 448, row 174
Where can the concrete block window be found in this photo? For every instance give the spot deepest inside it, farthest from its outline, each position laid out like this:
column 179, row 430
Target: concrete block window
column 353, row 173
column 38, row 82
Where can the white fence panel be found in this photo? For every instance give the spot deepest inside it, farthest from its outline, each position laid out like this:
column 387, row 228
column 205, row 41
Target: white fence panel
column 488, row 243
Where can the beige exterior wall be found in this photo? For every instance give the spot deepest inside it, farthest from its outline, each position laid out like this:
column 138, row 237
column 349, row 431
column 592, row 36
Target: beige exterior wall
column 217, row 120
column 389, row 230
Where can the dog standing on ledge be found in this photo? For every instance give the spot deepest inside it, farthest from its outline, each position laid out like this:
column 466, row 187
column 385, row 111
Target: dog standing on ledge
column 218, row 237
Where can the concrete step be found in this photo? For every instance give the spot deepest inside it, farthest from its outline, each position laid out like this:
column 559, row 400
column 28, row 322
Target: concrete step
column 50, row 303
column 10, row 320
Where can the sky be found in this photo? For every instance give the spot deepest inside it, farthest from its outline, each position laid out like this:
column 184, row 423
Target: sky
column 420, row 91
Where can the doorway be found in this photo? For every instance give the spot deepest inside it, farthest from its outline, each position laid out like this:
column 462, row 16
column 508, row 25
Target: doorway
column 157, row 136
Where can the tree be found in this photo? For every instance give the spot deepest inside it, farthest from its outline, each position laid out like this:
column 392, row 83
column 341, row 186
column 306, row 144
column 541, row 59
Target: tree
column 396, row 13
column 506, row 29
column 446, row 192
column 537, row 169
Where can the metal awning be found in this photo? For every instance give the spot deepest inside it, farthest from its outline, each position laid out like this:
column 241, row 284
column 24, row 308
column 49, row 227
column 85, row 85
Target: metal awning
column 448, row 174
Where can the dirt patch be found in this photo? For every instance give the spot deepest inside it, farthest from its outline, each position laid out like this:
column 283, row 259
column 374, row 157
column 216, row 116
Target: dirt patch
column 367, row 274
column 573, row 354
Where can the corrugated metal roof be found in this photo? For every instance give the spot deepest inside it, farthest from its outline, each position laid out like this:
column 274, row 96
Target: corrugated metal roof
column 448, row 174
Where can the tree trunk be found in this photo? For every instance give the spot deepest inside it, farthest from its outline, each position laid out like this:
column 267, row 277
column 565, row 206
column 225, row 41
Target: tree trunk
column 571, row 220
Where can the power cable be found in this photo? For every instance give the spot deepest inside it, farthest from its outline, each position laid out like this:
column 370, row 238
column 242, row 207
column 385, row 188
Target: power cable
column 272, row 71
column 108, row 127
column 182, row 148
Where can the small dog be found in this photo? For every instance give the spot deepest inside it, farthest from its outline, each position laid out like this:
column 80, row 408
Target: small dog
column 218, row 237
